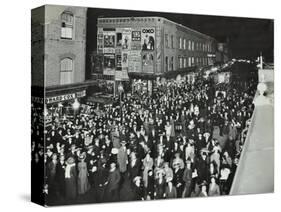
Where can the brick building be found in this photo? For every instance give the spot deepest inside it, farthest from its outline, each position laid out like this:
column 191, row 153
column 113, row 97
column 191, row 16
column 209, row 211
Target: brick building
column 58, row 52
column 144, row 48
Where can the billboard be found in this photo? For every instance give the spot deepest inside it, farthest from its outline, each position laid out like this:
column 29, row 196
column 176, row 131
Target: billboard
column 147, row 61
column 148, row 38
column 134, row 61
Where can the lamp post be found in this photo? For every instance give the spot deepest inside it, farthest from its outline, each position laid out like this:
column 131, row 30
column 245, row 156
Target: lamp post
column 75, row 106
column 120, row 91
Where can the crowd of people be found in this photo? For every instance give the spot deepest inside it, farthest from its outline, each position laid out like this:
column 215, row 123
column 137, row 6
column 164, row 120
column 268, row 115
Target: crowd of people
column 182, row 141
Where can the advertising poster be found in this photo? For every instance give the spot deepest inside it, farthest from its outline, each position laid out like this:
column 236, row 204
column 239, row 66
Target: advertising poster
column 118, row 38
column 148, row 38
column 126, row 38
column 134, row 61
column 109, row 39
column 100, row 41
column 109, row 64
column 124, row 60
column 147, row 62
column 118, row 62
column 136, row 39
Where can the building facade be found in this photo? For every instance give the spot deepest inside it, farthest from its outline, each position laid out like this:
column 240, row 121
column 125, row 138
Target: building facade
column 150, row 47
column 58, row 52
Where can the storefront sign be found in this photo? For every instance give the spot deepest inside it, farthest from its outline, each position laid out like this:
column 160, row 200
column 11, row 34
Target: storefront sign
column 65, row 97
column 36, row 99
column 147, row 38
column 121, row 75
column 134, row 61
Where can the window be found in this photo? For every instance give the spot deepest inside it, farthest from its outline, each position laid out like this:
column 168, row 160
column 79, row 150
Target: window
column 66, row 71
column 192, row 61
column 172, row 63
column 167, row 63
column 180, row 62
column 189, row 61
column 172, row 41
column 184, row 62
column 166, row 41
column 66, row 25
column 180, row 44
column 189, row 45
column 192, row 46
column 184, row 43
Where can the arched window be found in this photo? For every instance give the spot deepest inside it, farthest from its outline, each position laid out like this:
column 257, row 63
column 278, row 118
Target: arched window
column 66, row 71
column 66, row 25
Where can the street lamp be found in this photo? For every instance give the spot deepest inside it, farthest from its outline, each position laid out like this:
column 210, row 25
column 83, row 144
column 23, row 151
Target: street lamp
column 75, row 106
column 120, row 91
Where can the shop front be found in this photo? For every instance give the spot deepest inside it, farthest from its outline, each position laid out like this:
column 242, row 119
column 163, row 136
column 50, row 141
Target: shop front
column 63, row 102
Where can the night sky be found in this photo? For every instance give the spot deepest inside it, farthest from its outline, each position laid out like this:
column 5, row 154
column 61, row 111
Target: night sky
column 247, row 37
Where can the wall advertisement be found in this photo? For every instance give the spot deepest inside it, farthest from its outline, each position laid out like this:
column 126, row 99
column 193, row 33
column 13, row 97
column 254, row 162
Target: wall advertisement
column 109, row 64
column 148, row 38
column 134, row 61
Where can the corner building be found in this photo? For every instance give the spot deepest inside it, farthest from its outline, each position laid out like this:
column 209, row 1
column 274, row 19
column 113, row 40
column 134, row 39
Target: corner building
column 146, row 48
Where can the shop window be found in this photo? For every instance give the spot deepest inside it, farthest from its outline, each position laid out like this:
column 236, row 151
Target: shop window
column 66, row 25
column 66, row 71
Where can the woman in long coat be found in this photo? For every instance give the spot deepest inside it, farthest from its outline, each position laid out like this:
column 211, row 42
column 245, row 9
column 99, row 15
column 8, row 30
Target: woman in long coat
column 83, row 182
column 70, row 179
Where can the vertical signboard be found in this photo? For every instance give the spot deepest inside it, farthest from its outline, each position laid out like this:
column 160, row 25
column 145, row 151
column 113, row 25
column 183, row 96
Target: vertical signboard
column 136, row 39
column 100, row 40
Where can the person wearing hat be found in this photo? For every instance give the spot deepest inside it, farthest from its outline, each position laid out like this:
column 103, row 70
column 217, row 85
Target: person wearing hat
column 178, row 180
column 138, row 189
column 83, row 182
column 159, row 184
column 112, row 190
column 70, row 179
column 203, row 191
column 122, row 159
column 187, row 178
